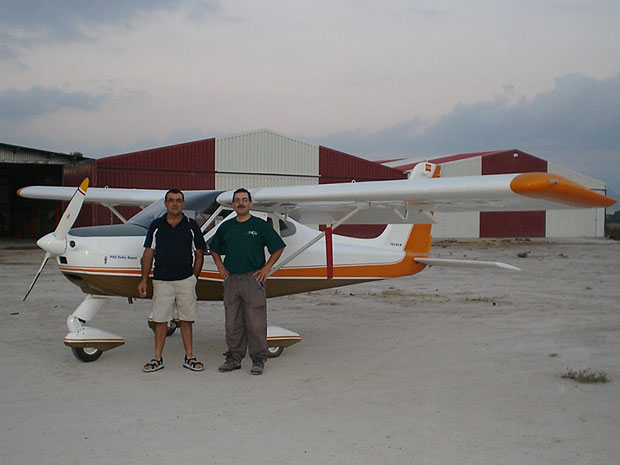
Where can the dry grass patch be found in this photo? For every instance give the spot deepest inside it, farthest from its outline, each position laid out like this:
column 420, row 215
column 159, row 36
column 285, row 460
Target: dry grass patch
column 586, row 376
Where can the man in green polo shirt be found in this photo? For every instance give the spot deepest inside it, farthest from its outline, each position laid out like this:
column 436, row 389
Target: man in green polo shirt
column 242, row 240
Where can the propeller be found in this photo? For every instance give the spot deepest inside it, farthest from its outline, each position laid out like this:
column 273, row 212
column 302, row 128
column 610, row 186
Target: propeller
column 55, row 243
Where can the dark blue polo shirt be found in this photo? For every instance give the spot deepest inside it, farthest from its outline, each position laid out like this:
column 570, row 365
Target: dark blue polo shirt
column 174, row 247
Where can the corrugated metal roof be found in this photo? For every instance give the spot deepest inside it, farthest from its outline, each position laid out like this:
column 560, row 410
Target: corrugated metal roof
column 25, row 155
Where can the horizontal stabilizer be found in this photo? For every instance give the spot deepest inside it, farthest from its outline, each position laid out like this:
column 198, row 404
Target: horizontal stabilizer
column 465, row 263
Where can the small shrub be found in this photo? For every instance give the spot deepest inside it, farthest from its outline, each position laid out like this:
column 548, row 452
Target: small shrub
column 613, row 231
column 586, row 376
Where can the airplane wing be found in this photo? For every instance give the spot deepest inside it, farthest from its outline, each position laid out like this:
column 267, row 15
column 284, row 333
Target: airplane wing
column 104, row 196
column 411, row 200
column 404, row 201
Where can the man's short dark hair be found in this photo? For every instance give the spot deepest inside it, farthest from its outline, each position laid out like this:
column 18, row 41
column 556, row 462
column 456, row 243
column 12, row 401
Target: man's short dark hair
column 174, row 191
column 240, row 190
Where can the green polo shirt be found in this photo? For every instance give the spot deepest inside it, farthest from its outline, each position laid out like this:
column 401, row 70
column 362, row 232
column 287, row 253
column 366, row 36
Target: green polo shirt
column 243, row 244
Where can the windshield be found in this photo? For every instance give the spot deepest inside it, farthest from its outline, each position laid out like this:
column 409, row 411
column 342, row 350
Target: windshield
column 196, row 204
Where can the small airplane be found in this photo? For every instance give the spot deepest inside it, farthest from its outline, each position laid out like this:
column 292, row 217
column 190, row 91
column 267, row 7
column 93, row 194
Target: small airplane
column 104, row 261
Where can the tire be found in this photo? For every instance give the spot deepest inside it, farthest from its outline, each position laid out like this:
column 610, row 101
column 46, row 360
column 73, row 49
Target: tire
column 86, row 354
column 172, row 327
column 273, row 352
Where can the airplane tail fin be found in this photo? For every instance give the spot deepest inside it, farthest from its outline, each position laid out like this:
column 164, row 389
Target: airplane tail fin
column 414, row 239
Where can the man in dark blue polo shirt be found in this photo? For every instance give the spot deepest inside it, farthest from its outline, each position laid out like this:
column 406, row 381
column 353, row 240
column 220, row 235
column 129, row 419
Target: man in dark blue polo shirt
column 177, row 245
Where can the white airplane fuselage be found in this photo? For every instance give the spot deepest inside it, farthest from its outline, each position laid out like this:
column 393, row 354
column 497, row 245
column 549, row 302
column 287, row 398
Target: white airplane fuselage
column 110, row 265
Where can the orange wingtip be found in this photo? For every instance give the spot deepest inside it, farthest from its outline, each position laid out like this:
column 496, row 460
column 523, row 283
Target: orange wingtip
column 556, row 188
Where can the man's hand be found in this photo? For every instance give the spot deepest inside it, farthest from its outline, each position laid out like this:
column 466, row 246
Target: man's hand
column 261, row 275
column 224, row 273
column 142, row 288
column 220, row 265
column 145, row 265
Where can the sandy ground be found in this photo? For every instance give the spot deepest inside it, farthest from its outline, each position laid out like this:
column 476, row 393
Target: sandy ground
column 451, row 366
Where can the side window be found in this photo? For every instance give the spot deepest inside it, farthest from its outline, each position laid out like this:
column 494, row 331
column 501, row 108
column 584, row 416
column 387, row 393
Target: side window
column 286, row 228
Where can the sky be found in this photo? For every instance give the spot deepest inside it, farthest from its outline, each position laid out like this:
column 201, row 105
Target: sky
column 377, row 79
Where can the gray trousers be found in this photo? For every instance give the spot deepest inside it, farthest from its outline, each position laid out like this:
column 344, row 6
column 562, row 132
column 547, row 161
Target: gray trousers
column 245, row 307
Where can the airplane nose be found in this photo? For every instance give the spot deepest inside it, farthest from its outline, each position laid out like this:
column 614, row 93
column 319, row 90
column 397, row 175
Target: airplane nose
column 52, row 245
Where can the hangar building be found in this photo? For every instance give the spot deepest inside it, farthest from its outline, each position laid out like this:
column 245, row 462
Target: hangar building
column 23, row 166
column 552, row 223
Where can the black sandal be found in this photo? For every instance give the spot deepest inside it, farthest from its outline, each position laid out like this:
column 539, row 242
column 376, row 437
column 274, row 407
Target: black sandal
column 190, row 364
column 154, row 365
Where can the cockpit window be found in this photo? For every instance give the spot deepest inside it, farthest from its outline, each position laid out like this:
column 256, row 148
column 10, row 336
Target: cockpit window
column 196, row 203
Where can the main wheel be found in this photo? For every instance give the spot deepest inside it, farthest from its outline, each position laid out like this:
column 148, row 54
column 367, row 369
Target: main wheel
column 86, row 354
column 172, row 327
column 273, row 352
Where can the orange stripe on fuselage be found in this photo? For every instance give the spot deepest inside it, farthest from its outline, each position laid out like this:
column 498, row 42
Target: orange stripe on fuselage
column 387, row 270
column 556, row 188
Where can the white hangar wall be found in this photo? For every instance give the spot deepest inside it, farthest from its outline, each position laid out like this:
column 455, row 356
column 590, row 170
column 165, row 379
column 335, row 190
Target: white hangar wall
column 464, row 225
column 264, row 159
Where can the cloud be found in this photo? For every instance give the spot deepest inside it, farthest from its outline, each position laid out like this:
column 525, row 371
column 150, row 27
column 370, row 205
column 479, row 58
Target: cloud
column 576, row 124
column 16, row 105
column 580, row 111
column 24, row 22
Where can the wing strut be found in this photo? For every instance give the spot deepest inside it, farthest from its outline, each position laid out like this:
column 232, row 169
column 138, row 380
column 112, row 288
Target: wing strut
column 116, row 213
column 313, row 241
column 329, row 251
column 211, row 219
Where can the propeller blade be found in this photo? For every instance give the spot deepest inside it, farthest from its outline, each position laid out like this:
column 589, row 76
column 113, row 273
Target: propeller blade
column 55, row 243
column 45, row 259
column 72, row 211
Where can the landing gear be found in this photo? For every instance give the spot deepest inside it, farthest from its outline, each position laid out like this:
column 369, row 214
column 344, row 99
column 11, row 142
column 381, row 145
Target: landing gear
column 273, row 352
column 86, row 354
column 88, row 343
column 279, row 338
column 172, row 326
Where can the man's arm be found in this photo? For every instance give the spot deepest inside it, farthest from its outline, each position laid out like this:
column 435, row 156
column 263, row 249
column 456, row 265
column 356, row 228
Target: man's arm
column 220, row 265
column 261, row 275
column 146, row 264
column 199, row 258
